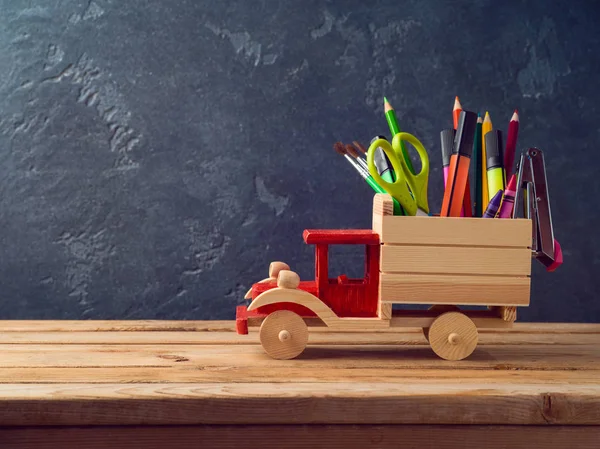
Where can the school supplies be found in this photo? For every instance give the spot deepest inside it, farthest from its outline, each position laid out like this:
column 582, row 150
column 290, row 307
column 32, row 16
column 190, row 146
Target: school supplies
column 456, row 112
column 494, row 169
column 409, row 189
column 477, row 160
column 493, row 206
column 532, row 199
column 364, row 173
column 383, row 164
column 390, row 115
column 485, row 128
column 511, row 144
column 508, row 201
column 447, row 142
column 458, row 172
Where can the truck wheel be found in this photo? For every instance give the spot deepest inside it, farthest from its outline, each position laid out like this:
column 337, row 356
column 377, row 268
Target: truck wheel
column 439, row 309
column 453, row 336
column 283, row 335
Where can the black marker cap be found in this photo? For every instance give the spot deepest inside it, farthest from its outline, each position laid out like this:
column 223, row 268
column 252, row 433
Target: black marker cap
column 493, row 149
column 465, row 133
column 447, row 138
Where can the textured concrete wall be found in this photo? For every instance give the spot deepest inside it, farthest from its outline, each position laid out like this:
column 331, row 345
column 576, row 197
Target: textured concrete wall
column 156, row 155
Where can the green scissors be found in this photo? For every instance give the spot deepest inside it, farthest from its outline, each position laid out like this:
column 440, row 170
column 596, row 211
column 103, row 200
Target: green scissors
column 408, row 189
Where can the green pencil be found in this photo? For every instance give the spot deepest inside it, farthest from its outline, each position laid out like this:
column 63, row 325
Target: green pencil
column 390, row 115
column 476, row 162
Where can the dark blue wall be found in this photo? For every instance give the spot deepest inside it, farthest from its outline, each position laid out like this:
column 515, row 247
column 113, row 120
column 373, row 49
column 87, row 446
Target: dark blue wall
column 155, row 156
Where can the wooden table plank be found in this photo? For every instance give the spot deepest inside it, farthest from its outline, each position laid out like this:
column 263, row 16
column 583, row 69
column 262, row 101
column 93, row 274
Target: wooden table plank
column 402, row 337
column 298, row 403
column 539, row 357
column 229, row 326
column 202, row 373
column 303, row 436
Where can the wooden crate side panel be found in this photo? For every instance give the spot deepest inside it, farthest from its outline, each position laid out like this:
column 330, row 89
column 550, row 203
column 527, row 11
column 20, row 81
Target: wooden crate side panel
column 455, row 260
column 454, row 289
column 453, row 231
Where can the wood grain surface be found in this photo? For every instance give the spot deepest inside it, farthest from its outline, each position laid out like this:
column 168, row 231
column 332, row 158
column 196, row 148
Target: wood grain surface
column 117, row 373
column 192, row 382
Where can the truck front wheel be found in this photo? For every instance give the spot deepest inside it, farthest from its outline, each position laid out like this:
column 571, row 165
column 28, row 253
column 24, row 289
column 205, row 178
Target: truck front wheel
column 283, row 335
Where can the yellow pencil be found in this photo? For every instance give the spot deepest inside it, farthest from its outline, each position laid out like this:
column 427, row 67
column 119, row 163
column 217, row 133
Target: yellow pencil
column 485, row 128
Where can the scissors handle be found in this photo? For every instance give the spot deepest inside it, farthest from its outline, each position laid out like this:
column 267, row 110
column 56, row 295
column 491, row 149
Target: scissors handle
column 419, row 181
column 399, row 188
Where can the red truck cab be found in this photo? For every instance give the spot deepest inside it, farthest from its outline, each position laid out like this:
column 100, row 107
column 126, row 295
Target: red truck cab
column 347, row 297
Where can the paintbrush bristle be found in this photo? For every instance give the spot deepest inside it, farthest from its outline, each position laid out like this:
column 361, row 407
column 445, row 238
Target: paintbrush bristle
column 360, row 147
column 339, row 148
column 351, row 151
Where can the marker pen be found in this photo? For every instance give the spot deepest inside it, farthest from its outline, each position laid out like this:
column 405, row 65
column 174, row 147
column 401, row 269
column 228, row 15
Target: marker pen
column 458, row 172
column 494, row 165
column 382, row 163
column 447, row 140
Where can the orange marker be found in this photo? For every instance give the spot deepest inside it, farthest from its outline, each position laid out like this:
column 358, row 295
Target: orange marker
column 456, row 112
column 458, row 173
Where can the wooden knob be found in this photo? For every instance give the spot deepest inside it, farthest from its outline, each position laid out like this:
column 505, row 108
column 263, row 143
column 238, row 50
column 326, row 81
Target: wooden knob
column 288, row 279
column 284, row 336
column 453, row 338
column 276, row 267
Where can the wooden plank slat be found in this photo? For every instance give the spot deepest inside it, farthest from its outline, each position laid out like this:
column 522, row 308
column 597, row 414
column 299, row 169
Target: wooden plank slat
column 403, row 336
column 303, row 436
column 132, row 326
column 453, row 231
column 300, row 403
column 553, row 357
column 506, row 373
column 454, row 289
column 455, row 260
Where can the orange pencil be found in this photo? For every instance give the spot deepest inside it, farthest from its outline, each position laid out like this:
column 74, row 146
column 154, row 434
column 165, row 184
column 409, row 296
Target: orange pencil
column 466, row 210
column 456, row 111
column 458, row 172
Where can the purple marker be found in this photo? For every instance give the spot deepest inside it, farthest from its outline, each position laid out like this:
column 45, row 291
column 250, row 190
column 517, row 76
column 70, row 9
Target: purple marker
column 493, row 206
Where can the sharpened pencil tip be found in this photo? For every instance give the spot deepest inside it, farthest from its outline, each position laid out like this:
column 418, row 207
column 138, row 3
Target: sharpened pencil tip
column 487, row 117
column 515, row 116
column 457, row 104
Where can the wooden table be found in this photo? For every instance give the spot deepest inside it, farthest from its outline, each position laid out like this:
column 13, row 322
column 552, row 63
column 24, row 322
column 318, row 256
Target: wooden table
column 136, row 384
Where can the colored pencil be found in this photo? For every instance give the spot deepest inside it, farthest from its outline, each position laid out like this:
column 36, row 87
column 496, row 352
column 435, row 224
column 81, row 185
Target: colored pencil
column 456, row 111
column 476, row 160
column 511, row 144
column 390, row 115
column 458, row 173
column 467, row 208
column 485, row 128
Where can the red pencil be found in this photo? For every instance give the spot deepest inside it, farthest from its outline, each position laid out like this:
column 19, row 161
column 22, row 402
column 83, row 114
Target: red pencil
column 456, row 111
column 511, row 144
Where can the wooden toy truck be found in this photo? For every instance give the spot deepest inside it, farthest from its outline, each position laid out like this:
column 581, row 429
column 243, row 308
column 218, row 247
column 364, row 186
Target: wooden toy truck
column 449, row 264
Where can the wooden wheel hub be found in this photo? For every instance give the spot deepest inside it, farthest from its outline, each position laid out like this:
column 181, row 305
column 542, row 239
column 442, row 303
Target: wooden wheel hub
column 453, row 336
column 283, row 335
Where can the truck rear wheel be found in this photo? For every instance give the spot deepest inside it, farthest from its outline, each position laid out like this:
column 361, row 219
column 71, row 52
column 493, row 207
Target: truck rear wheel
column 453, row 336
column 439, row 309
column 283, row 335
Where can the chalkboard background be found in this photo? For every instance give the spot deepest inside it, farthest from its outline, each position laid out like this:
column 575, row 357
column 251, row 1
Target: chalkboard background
column 155, row 156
